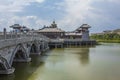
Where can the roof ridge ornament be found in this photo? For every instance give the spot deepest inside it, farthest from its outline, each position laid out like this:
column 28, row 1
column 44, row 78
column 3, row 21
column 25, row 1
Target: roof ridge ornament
column 53, row 25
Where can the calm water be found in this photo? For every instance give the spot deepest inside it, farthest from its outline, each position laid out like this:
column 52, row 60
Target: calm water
column 87, row 63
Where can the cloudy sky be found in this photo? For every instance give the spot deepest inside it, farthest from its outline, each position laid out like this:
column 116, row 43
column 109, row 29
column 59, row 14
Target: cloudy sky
column 68, row 14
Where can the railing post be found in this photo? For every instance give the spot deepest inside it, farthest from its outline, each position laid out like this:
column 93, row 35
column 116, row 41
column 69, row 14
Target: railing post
column 11, row 34
column 4, row 33
column 16, row 33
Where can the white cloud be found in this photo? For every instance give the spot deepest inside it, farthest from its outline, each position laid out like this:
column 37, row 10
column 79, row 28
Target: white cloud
column 76, row 12
column 82, row 11
column 39, row 1
column 114, row 1
column 15, row 5
column 32, row 22
column 8, row 9
column 31, row 17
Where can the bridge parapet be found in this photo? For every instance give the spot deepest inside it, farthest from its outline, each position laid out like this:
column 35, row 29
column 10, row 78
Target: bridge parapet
column 19, row 35
column 21, row 38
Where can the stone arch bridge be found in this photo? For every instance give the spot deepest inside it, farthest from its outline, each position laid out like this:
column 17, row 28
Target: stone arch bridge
column 18, row 49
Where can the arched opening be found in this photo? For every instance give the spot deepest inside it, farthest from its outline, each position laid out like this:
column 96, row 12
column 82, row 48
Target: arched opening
column 33, row 49
column 20, row 55
column 2, row 66
column 40, row 47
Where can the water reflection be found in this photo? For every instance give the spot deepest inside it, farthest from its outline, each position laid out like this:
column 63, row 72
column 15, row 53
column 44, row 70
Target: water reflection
column 84, row 56
column 83, row 63
column 58, row 62
column 7, row 77
column 59, row 57
column 62, row 63
column 24, row 70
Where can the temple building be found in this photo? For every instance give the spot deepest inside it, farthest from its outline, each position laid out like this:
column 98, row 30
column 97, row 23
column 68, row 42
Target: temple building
column 18, row 28
column 52, row 31
column 84, row 30
column 80, row 33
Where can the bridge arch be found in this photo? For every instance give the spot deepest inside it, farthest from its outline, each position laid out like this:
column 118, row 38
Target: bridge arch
column 19, row 54
column 33, row 48
column 5, row 67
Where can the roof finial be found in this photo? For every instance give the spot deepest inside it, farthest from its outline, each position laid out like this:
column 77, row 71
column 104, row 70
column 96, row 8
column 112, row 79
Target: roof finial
column 54, row 25
column 53, row 21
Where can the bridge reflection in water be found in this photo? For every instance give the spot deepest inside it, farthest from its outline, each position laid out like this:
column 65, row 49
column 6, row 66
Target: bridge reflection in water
column 24, row 70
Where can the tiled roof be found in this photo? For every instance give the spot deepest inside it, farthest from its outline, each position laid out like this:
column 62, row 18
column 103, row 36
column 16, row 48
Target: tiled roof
column 72, row 33
column 15, row 26
column 49, row 29
column 82, row 26
column 85, row 25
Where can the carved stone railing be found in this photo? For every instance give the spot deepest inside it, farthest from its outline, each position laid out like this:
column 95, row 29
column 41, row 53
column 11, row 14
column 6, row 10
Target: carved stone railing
column 9, row 40
column 56, row 40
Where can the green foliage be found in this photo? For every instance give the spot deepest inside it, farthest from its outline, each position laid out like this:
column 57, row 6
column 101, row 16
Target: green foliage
column 111, row 37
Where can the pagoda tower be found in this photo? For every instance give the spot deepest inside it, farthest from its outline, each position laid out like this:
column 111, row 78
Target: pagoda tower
column 84, row 31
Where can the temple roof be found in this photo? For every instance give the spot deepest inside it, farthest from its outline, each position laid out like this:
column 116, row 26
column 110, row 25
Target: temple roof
column 73, row 34
column 50, row 29
column 82, row 27
column 85, row 26
column 15, row 26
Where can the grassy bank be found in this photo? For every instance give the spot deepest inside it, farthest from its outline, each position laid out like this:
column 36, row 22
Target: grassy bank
column 106, row 37
column 109, row 41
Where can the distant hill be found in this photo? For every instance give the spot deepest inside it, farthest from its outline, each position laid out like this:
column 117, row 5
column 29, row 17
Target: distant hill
column 107, row 36
column 116, row 31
